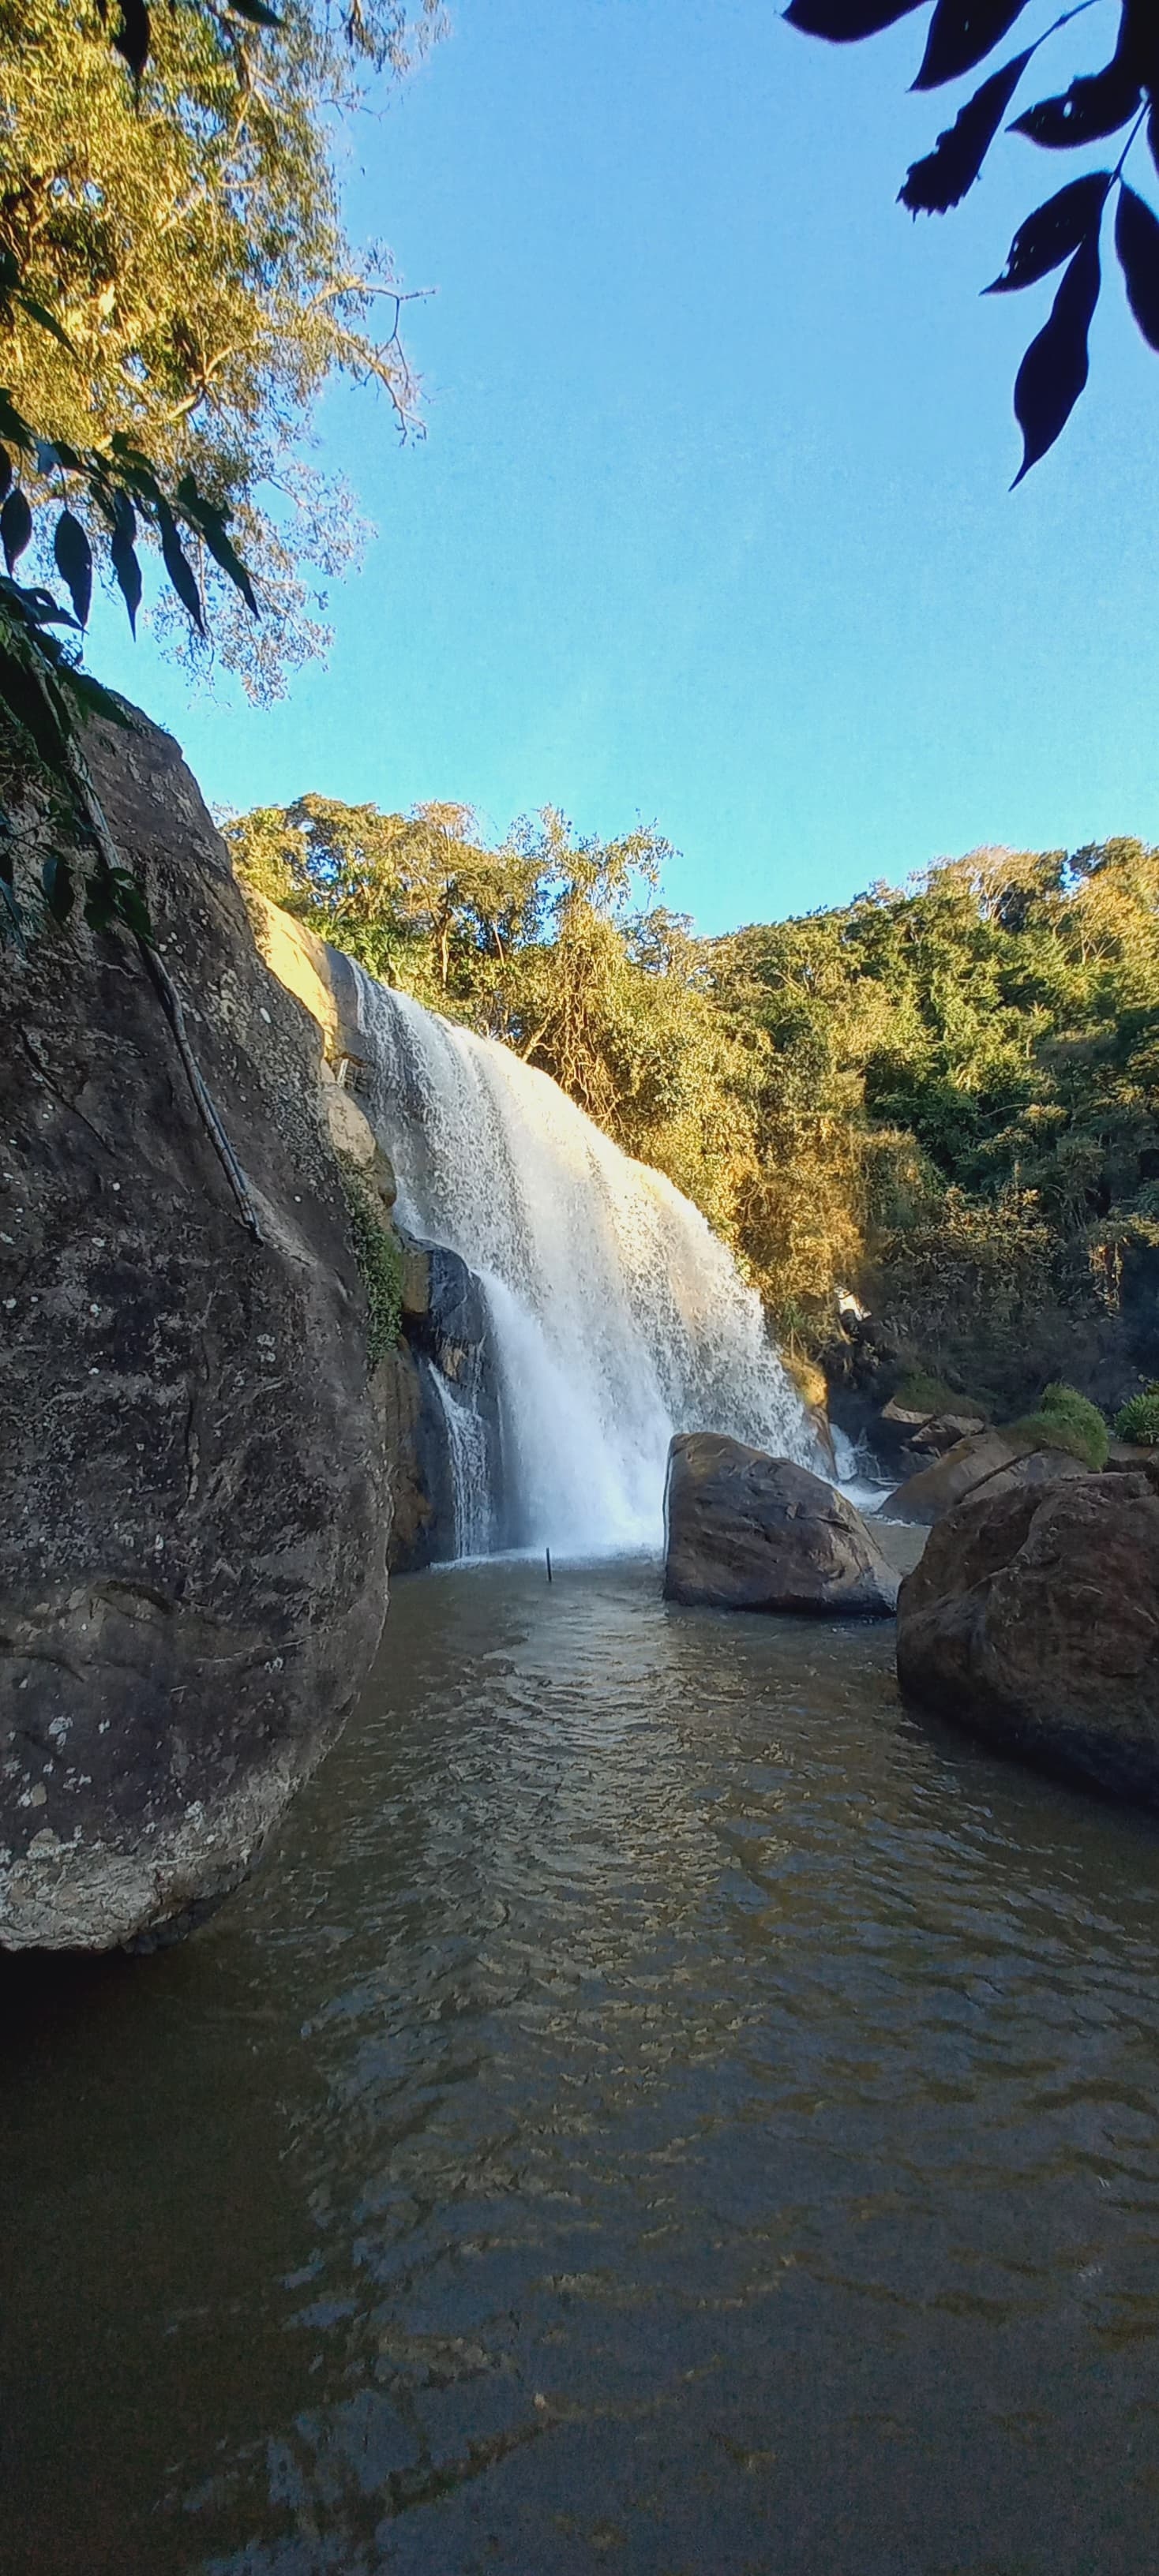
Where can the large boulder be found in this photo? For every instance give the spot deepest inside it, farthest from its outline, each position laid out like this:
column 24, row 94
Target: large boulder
column 746, row 1531
column 192, row 1579
column 1033, row 1617
column 998, row 1462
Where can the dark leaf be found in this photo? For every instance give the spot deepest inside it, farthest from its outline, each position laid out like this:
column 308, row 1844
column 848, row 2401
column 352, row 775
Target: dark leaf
column 14, row 426
column 1049, row 235
column 59, row 890
column 132, row 37
column 962, row 33
column 11, row 923
column 1139, row 41
column 48, row 321
column 844, row 21
column 211, row 525
column 178, row 566
column 255, row 11
column 932, row 186
column 15, row 527
column 1137, row 243
column 1088, row 109
column 1153, row 135
column 1054, row 370
column 96, row 700
column 113, row 895
column 74, row 563
column 5, row 471
column 124, row 554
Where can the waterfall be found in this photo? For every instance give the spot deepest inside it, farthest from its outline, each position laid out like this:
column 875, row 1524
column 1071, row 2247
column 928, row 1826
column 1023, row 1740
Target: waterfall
column 616, row 1315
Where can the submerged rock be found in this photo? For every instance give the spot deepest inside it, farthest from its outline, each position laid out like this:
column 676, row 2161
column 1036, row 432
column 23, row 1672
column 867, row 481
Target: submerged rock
column 192, row 1578
column 999, row 1462
column 746, row 1531
column 1033, row 1618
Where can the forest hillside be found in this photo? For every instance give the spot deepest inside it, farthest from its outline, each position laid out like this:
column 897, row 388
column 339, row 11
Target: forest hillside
column 943, row 1099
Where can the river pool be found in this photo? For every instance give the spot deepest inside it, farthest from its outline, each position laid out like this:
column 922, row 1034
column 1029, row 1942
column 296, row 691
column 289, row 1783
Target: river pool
column 664, row 2109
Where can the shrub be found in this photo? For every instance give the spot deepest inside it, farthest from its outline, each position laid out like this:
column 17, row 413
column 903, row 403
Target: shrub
column 379, row 1261
column 1064, row 1419
column 1139, row 1419
column 920, row 1392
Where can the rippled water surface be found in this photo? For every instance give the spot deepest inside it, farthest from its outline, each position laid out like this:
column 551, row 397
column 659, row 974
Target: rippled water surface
column 665, row 2109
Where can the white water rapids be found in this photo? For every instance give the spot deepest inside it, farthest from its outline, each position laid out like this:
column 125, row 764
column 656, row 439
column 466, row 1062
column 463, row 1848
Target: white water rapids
column 616, row 1315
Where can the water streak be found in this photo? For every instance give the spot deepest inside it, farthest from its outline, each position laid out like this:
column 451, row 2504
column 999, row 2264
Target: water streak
column 617, row 1315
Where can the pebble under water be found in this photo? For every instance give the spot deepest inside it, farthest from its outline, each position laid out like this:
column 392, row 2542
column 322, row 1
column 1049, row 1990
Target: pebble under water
column 665, row 2108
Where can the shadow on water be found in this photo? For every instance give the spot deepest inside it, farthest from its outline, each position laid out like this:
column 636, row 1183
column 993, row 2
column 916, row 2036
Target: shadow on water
column 665, row 2106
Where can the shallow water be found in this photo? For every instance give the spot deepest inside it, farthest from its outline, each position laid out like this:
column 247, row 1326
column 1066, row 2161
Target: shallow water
column 664, row 2109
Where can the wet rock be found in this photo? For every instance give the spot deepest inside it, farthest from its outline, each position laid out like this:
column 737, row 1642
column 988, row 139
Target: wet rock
column 746, row 1531
column 192, row 1578
column 999, row 1461
column 1033, row 1618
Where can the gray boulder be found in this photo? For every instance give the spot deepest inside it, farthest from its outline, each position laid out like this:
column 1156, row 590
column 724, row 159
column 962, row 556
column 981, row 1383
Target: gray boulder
column 746, row 1531
column 1000, row 1462
column 194, row 1511
column 1033, row 1618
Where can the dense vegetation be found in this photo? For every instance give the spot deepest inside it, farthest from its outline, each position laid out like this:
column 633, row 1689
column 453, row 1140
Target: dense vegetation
column 945, row 1099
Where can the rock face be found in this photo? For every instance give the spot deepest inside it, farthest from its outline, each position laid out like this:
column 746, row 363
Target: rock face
column 192, row 1577
column 997, row 1462
column 1033, row 1618
column 749, row 1532
column 443, row 1364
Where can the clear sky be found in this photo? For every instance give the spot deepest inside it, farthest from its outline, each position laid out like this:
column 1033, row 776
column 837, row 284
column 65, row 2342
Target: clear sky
column 711, row 526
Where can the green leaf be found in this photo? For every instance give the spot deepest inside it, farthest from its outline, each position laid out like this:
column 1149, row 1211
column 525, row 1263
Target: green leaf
column 95, row 699
column 74, row 563
column 210, row 524
column 124, row 555
column 59, row 888
column 15, row 527
column 178, row 566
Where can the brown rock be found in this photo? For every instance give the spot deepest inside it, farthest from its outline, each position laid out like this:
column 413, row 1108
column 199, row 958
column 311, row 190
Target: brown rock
column 750, row 1532
column 1033, row 1618
column 194, row 1517
column 999, row 1461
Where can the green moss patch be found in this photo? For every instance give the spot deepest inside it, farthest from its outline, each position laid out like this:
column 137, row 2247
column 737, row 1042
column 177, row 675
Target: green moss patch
column 379, row 1261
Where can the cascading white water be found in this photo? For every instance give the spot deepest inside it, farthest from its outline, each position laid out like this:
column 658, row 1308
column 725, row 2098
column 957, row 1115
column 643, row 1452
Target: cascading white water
column 617, row 1316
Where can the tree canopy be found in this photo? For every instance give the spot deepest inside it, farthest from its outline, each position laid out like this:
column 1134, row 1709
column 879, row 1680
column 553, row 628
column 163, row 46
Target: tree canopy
column 177, row 287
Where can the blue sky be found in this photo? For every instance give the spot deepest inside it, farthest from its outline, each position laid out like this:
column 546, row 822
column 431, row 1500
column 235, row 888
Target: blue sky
column 711, row 526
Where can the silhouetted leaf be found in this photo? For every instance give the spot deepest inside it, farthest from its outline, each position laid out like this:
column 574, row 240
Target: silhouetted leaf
column 48, row 321
column 932, row 186
column 210, row 524
column 962, row 33
column 1137, row 243
column 255, row 11
column 124, row 554
column 15, row 527
column 59, row 890
column 13, row 425
column 1087, row 111
column 5, row 471
column 178, row 566
column 74, row 563
column 132, row 37
column 1055, row 368
column 844, row 21
column 1049, row 235
column 96, row 700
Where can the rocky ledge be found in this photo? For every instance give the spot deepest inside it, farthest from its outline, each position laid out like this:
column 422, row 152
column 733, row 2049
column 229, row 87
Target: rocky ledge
column 1033, row 1618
